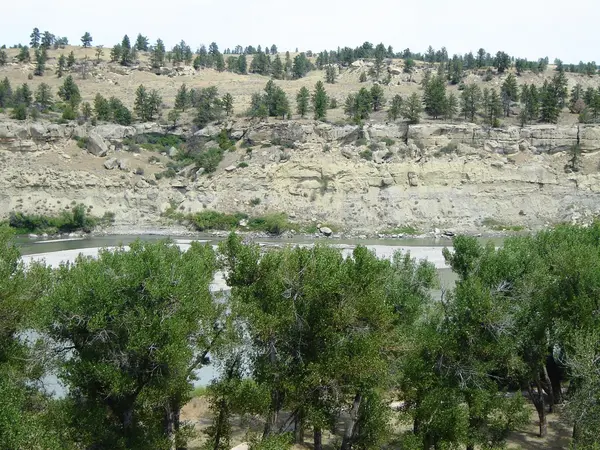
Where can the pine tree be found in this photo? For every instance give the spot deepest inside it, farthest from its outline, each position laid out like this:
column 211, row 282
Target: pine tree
column 288, row 65
column 3, row 57
column 141, row 43
column 6, row 93
column 86, row 111
column 115, row 53
column 377, row 97
column 35, row 38
column 434, row 96
column 363, row 77
column 330, row 74
column 71, row 60
column 69, row 92
column 380, row 53
column 277, row 68
column 62, row 62
column 494, row 109
column 23, row 96
column 41, row 56
column 102, row 108
column 549, row 106
column 140, row 103
column 455, row 70
column 395, row 110
column 157, row 57
column 560, row 84
column 302, row 100
column 48, row 39
column 470, row 99
column 301, row 66
column 181, row 98
column 451, row 107
column 273, row 49
column 126, row 55
column 242, row 65
column 228, row 104
column 24, row 55
column 320, row 101
column 413, row 108
column 358, row 106
column 576, row 94
column 99, row 53
column 86, row 40
column 43, row 96
column 509, row 93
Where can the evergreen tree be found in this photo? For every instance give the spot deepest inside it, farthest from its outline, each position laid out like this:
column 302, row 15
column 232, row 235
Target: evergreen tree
column 302, row 101
column 242, row 65
column 19, row 112
column 115, row 53
column 481, row 59
column 301, row 66
column 494, row 110
column 157, row 56
column 41, row 56
column 3, row 57
column 86, row 40
column 451, row 107
column 71, row 60
column 320, row 101
column 141, row 43
column 232, row 64
column 330, row 74
column 48, row 39
column 470, row 99
column 126, row 54
column 24, row 55
column 549, row 105
column 409, row 65
column 288, row 65
column 377, row 97
column 560, row 84
column 359, row 106
column 23, row 96
column 455, row 70
column 69, row 92
column 277, row 68
column 228, row 104
column 209, row 106
column 102, row 108
column 181, row 98
column 413, row 108
column 43, row 97
column 434, row 96
column 362, row 78
column 86, row 111
column 120, row 113
column 396, row 107
column 380, row 53
column 6, row 93
column 219, row 62
column 62, row 62
column 576, row 94
column 502, row 62
column 35, row 38
column 509, row 93
column 99, row 53
column 147, row 104
column 273, row 49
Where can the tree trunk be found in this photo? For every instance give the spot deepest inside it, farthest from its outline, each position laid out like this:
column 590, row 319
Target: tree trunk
column 548, row 388
column 318, row 438
column 299, row 428
column 540, row 407
column 351, row 426
column 470, row 447
column 219, row 424
column 170, row 425
column 555, row 379
column 273, row 416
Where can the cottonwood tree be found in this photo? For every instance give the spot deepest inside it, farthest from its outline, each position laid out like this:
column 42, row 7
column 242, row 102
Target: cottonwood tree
column 138, row 323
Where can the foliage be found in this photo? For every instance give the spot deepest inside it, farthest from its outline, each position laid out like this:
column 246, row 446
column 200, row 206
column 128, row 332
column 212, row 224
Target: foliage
column 67, row 222
column 147, row 104
column 302, row 101
column 86, row 40
column 69, row 92
column 413, row 108
column 320, row 101
column 208, row 105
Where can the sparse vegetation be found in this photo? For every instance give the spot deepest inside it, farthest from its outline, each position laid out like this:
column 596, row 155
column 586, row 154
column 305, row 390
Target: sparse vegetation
column 496, row 225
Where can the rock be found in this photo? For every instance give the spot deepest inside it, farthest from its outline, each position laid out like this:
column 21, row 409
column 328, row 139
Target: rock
column 436, row 231
column 111, row 163
column 237, row 134
column 96, row 145
column 33, row 236
column 208, row 131
column 173, row 152
column 413, row 180
column 199, row 173
column 448, row 233
column 123, row 164
column 230, row 168
column 187, row 171
column 326, row 231
column 243, row 223
column 347, row 152
column 242, row 446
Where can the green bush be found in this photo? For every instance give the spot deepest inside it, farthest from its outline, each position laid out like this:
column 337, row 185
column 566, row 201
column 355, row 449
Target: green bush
column 19, row 112
column 388, row 141
column 169, row 173
column 275, row 223
column 255, row 201
column 242, row 164
column 67, row 222
column 366, row 154
column 69, row 113
column 213, row 220
column 210, row 159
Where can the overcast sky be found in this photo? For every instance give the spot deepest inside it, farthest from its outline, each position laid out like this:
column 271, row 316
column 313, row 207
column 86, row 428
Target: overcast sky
column 524, row 28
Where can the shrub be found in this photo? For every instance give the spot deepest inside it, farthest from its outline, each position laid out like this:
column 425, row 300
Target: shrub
column 139, row 171
column 255, row 201
column 69, row 113
column 210, row 159
column 366, row 154
column 275, row 223
column 153, row 159
column 388, row 141
column 213, row 220
column 19, row 112
column 242, row 164
column 169, row 173
column 67, row 222
column 361, row 142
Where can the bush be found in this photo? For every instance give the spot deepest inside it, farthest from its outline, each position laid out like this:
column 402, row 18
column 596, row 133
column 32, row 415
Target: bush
column 81, row 141
column 66, row 222
column 139, row 171
column 19, row 112
column 210, row 159
column 242, row 164
column 68, row 113
column 213, row 220
column 366, row 154
column 388, row 141
column 169, row 173
column 255, row 201
column 271, row 223
column 153, row 159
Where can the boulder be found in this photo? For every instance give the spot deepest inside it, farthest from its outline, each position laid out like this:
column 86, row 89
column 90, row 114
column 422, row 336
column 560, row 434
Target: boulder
column 173, row 152
column 111, row 163
column 123, row 164
column 96, row 145
column 199, row 173
column 187, row 171
column 326, row 231
column 208, row 131
column 230, row 168
column 413, row 180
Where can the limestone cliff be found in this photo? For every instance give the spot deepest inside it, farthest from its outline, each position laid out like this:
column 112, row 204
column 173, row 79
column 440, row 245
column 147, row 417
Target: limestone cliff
column 454, row 176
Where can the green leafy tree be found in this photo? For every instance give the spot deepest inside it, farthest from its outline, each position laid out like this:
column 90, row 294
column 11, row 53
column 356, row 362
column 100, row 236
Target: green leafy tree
column 141, row 43
column 173, row 117
column 157, row 314
column 69, row 92
column 396, row 107
column 413, row 107
column 409, row 65
column 509, row 93
column 434, row 97
column 86, row 40
column 320, row 101
column 182, row 98
column 470, row 100
column 35, row 38
column 24, row 55
column 23, row 96
column 43, row 97
column 377, row 97
column 302, row 101
column 228, row 104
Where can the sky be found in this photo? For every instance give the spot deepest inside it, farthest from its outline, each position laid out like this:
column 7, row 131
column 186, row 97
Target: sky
column 522, row 28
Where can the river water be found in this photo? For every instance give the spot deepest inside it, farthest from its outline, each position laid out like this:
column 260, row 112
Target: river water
column 53, row 252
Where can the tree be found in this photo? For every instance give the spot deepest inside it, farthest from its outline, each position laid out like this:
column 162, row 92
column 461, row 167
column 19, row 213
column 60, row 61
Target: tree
column 494, row 109
column 358, row 107
column 6, row 93
column 23, row 96
column 173, row 116
column 396, row 107
column 320, row 101
column 147, row 104
column 182, row 98
column 377, row 97
column 24, row 55
column 470, row 99
column 102, row 108
column 120, row 113
column 362, row 78
column 41, row 56
column 455, row 70
column 509, row 93
column 126, row 56
column 277, row 68
column 62, row 62
column 451, row 107
column 228, row 104
column 48, row 39
column 242, row 65
column 43, row 96
column 330, row 74
column 157, row 55
column 434, row 97
column 380, row 52
column 158, row 314
column 86, row 40
column 99, row 53
column 549, row 104
column 3, row 57
column 115, row 53
column 209, row 106
column 502, row 62
column 413, row 108
column 35, row 38
column 301, row 66
column 302, row 101
column 86, row 111
column 71, row 59
column 560, row 84
column 69, row 92
column 141, row 43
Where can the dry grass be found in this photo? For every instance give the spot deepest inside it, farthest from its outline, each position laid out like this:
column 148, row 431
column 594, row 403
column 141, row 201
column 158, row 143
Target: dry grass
column 111, row 79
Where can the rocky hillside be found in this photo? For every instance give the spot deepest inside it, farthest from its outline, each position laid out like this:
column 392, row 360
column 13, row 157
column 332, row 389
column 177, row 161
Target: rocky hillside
column 461, row 177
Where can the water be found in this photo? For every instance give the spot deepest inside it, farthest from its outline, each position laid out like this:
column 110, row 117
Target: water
column 53, row 252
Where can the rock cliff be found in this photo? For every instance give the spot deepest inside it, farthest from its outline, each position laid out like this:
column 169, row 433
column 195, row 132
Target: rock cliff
column 445, row 175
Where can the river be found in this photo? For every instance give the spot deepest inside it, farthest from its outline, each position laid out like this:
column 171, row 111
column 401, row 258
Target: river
column 55, row 251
